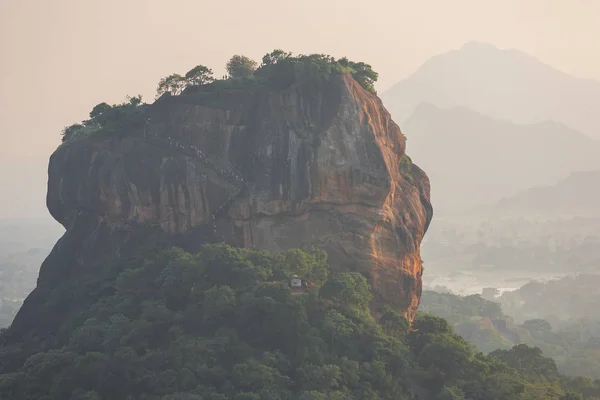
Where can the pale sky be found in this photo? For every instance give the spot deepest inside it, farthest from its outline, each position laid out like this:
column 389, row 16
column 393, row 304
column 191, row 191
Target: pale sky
column 61, row 57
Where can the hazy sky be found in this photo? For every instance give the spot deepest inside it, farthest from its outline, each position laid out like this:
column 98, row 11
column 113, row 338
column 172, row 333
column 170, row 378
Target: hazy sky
column 61, row 57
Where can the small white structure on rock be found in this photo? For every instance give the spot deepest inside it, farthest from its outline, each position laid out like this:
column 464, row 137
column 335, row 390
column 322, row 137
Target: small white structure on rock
column 296, row 282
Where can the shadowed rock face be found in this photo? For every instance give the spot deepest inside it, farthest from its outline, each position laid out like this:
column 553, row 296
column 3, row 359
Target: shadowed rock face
column 317, row 164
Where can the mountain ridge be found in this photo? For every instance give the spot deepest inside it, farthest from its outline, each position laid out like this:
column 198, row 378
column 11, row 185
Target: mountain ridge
column 463, row 150
column 508, row 84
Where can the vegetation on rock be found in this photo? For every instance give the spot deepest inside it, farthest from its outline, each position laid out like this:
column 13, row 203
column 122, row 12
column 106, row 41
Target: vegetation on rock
column 241, row 67
column 109, row 121
column 224, row 324
column 278, row 70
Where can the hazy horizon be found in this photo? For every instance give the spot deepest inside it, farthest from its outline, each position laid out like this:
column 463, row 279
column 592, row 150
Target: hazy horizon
column 62, row 58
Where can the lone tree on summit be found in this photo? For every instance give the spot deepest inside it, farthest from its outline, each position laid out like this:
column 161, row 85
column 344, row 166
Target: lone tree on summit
column 173, row 84
column 240, row 66
column 199, row 75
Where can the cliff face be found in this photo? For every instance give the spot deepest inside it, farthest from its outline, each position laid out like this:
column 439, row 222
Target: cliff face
column 316, row 164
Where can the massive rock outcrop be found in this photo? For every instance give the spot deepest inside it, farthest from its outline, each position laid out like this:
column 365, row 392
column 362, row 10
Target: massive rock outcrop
column 320, row 163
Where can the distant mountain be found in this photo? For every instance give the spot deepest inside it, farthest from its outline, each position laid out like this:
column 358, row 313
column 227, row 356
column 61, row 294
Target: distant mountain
column 473, row 159
column 504, row 84
column 578, row 194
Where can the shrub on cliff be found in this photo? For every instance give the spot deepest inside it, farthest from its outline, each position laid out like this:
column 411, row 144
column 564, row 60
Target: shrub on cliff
column 224, row 324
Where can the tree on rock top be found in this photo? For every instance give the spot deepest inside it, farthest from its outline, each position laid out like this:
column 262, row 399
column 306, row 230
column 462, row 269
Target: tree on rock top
column 199, row 75
column 173, row 84
column 241, row 67
column 275, row 56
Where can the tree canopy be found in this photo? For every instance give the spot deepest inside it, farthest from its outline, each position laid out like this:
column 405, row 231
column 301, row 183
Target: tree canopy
column 199, row 75
column 109, row 121
column 223, row 323
column 240, row 66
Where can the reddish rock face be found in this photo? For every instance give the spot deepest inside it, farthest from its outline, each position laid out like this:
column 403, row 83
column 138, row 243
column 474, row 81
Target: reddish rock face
column 319, row 164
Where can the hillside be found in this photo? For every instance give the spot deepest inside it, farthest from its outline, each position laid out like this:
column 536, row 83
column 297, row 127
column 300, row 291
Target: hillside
column 473, row 159
column 557, row 316
column 504, row 84
column 224, row 324
column 578, row 194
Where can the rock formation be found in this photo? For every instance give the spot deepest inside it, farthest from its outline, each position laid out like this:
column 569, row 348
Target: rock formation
column 320, row 163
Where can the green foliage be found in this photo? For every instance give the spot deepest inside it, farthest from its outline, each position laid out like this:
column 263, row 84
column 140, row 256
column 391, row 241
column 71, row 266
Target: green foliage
column 348, row 290
column 528, row 361
column 362, row 73
column 278, row 70
column 223, row 324
column 451, row 393
column 311, row 266
column 282, row 69
column 573, row 345
column 406, row 168
column 199, row 75
column 539, row 328
column 393, row 323
column 109, row 121
column 458, row 309
column 99, row 109
column 240, row 67
column 275, row 57
column 173, row 84
column 75, row 132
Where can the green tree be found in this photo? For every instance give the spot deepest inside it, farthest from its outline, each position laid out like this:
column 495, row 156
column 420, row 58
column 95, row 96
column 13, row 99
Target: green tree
column 428, row 324
column 450, row 393
column 219, row 301
column 539, row 328
column 98, row 110
column 199, row 75
column 134, row 100
column 529, row 361
column 449, row 354
column 308, row 265
column 275, row 56
column 349, row 290
column 337, row 326
column 71, row 132
column 320, row 377
column 173, row 84
column 240, row 67
column 393, row 323
column 363, row 73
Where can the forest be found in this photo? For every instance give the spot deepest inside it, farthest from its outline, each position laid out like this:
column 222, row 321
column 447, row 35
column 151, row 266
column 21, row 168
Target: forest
column 533, row 315
column 224, row 324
